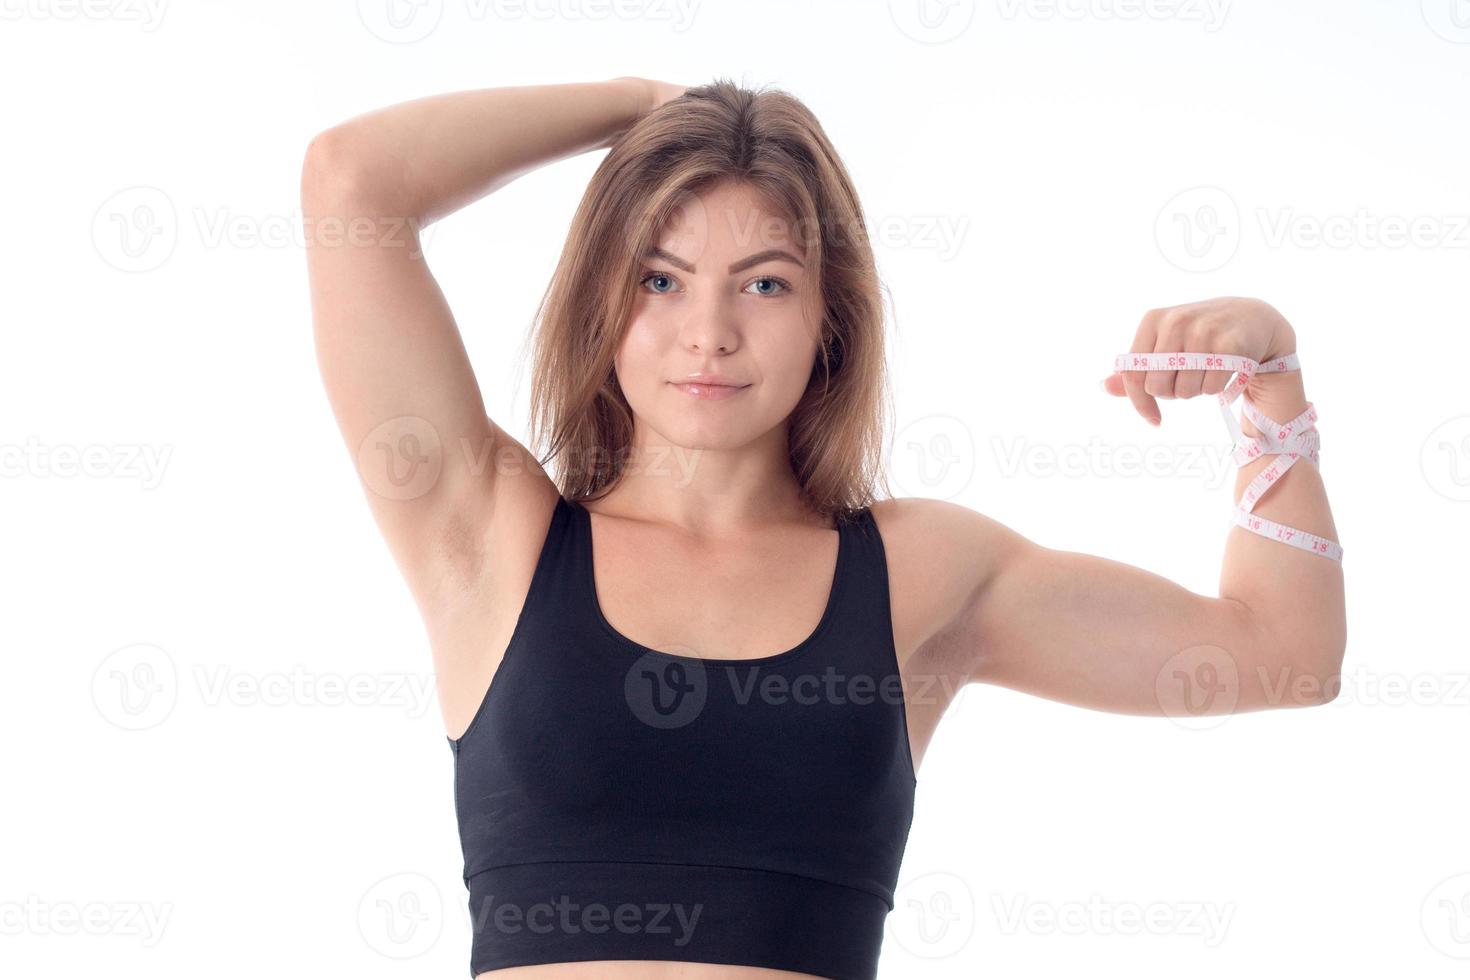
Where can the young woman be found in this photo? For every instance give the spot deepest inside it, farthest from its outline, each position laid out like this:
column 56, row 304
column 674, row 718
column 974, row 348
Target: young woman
column 688, row 683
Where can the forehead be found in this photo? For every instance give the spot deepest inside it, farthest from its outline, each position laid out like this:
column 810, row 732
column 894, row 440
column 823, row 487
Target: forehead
column 730, row 218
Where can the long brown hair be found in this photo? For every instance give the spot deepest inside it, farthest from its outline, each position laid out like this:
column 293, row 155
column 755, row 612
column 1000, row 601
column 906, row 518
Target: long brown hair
column 713, row 133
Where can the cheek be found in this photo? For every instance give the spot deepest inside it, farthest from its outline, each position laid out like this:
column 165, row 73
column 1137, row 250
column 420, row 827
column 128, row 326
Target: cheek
column 791, row 351
column 637, row 357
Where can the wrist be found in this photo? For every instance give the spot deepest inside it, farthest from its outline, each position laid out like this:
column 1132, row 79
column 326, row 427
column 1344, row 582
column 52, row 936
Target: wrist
column 1280, row 395
column 1283, row 341
column 1277, row 392
column 629, row 99
column 639, row 94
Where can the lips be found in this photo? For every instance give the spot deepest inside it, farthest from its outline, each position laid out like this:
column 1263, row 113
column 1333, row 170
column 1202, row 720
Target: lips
column 710, row 378
column 709, row 390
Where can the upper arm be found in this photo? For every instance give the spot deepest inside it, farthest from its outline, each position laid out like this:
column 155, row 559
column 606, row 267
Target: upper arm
column 395, row 369
column 1102, row 634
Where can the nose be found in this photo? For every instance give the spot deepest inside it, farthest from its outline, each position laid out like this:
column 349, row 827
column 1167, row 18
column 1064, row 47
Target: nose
column 710, row 331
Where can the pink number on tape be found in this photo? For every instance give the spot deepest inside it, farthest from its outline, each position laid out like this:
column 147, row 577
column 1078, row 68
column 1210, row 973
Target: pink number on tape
column 1290, row 440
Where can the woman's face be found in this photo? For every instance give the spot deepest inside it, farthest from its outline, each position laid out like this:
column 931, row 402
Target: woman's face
column 724, row 293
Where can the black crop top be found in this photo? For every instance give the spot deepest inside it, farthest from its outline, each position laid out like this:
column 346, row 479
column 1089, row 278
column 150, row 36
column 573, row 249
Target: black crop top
column 615, row 802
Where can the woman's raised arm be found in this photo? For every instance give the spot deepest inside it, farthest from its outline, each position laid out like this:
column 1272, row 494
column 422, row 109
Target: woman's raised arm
column 391, row 357
column 1099, row 633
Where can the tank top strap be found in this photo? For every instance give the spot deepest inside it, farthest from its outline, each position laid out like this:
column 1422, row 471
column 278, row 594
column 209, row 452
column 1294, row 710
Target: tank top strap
column 862, row 636
column 556, row 585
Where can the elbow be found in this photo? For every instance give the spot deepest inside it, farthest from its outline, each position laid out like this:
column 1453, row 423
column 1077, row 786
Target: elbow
column 1330, row 675
column 1297, row 666
column 1328, row 666
column 325, row 168
column 1307, row 678
column 339, row 175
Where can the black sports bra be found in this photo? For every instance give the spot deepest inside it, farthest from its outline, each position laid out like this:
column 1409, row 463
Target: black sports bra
column 615, row 802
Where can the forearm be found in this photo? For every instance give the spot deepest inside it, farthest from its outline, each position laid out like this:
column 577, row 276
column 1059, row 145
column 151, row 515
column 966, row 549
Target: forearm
column 423, row 159
column 1295, row 597
column 1094, row 632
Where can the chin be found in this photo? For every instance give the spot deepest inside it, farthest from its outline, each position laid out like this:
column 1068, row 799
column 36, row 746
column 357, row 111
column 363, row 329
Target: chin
column 689, row 435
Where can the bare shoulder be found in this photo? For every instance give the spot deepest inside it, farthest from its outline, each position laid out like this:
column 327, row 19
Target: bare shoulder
column 941, row 556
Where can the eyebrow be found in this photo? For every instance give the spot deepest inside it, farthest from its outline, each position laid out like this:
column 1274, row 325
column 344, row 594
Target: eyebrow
column 740, row 266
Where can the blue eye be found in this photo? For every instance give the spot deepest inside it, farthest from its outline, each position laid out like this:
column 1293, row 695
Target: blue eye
column 656, row 275
column 785, row 286
column 776, row 288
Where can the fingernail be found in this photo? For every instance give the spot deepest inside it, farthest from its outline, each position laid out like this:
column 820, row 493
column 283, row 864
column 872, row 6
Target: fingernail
column 1151, row 420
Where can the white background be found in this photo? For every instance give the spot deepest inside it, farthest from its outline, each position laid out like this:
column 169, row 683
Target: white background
column 189, row 566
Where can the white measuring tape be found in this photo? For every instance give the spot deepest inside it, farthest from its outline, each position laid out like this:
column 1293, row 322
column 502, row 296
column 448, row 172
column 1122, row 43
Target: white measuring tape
column 1289, row 440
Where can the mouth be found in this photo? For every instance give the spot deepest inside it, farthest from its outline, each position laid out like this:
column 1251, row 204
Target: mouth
column 707, row 390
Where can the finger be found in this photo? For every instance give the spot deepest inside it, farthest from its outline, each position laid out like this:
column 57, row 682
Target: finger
column 1113, row 385
column 1142, row 401
column 1215, row 382
column 1160, row 384
column 1134, row 381
column 1189, row 384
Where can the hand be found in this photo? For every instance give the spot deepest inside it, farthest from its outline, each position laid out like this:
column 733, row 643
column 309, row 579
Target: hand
column 664, row 92
column 652, row 93
column 1228, row 325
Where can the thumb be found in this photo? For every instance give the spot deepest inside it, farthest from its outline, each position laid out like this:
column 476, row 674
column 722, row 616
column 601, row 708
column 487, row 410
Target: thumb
column 1144, row 402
